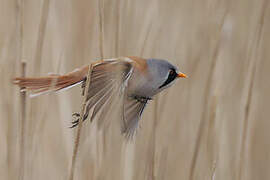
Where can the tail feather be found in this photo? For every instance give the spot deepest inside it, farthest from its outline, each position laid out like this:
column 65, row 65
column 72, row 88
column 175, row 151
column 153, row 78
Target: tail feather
column 50, row 83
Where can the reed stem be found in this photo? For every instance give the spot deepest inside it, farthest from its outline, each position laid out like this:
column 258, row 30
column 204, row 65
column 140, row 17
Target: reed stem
column 77, row 140
column 23, row 113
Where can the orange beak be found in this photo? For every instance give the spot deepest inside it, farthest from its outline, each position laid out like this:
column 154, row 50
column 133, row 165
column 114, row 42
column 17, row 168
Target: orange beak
column 182, row 75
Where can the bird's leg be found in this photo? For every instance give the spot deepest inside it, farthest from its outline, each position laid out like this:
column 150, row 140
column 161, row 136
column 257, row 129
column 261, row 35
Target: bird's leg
column 77, row 117
column 141, row 99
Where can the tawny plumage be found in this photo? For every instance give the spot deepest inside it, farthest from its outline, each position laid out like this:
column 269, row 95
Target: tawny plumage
column 51, row 83
column 136, row 79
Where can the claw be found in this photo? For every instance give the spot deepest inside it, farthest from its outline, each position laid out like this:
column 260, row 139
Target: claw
column 75, row 122
column 76, row 115
column 74, row 125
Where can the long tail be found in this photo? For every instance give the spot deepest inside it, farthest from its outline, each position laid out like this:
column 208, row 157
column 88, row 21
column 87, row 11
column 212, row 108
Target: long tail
column 46, row 84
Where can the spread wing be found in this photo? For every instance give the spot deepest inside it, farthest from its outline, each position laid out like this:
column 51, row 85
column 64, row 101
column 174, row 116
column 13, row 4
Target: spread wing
column 108, row 80
column 132, row 111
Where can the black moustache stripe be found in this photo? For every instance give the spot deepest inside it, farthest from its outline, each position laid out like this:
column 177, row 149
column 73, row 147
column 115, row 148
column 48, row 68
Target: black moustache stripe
column 172, row 75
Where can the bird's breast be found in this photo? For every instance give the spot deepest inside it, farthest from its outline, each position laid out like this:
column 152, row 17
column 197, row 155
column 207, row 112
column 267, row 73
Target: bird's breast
column 140, row 84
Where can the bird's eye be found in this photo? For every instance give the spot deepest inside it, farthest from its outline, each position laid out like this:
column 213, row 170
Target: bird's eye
column 172, row 75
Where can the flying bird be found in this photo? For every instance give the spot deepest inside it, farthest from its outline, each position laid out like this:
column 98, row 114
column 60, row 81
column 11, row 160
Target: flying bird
column 136, row 79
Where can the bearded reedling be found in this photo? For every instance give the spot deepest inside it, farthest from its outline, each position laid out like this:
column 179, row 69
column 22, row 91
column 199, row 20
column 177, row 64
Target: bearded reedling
column 136, row 79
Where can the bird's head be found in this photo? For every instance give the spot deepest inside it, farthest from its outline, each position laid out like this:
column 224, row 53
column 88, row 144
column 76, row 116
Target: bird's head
column 163, row 73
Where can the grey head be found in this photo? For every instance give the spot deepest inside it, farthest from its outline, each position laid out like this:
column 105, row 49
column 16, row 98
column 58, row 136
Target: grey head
column 162, row 74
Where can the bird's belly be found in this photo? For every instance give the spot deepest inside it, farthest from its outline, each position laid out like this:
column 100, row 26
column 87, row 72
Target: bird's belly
column 140, row 86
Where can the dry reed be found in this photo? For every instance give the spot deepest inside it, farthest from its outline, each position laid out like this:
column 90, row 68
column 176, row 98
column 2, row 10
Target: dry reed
column 22, row 94
column 253, row 66
column 22, row 123
column 206, row 98
column 101, row 28
column 77, row 140
column 41, row 35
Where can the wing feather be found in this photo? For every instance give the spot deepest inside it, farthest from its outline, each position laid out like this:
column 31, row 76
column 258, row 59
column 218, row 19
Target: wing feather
column 131, row 115
column 108, row 78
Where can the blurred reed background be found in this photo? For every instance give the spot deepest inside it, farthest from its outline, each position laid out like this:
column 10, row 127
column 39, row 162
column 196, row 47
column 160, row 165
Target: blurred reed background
column 213, row 125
